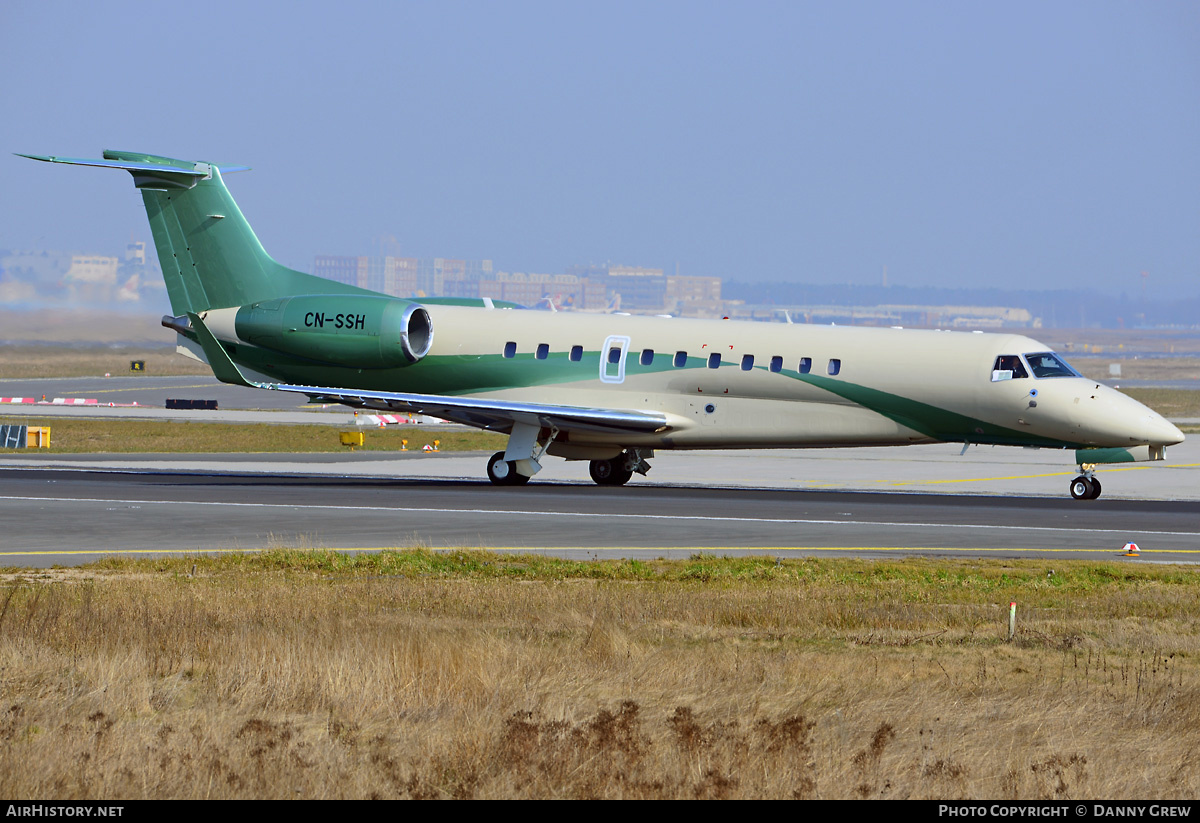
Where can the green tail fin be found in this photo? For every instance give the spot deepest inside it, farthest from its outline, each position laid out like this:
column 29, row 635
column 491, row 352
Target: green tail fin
column 210, row 256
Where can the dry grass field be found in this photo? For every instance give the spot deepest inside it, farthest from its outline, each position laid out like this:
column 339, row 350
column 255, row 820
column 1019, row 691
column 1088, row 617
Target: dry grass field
column 81, row 326
column 1166, row 368
column 1170, row 403
column 306, row 674
column 23, row 362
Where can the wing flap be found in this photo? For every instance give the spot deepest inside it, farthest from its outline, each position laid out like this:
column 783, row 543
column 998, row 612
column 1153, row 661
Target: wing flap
column 484, row 413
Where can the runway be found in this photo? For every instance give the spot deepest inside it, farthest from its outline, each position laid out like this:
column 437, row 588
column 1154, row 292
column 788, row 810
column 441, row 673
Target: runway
column 69, row 517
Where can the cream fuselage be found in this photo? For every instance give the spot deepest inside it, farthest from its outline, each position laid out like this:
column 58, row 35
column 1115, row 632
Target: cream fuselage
column 892, row 387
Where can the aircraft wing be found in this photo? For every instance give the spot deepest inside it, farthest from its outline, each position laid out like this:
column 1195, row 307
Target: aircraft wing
column 497, row 415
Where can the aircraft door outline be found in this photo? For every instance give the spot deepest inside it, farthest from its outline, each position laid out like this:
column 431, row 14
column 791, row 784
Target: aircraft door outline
column 613, row 370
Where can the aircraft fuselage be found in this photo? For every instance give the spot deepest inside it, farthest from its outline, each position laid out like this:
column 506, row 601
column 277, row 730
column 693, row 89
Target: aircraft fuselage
column 723, row 384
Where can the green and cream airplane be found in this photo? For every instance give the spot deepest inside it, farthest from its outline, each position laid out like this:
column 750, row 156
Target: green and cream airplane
column 609, row 389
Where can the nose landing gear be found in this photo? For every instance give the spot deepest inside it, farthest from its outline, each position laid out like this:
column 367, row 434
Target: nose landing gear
column 1086, row 486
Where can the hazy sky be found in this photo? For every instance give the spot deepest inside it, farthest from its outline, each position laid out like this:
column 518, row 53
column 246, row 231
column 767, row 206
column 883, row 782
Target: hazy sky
column 1044, row 144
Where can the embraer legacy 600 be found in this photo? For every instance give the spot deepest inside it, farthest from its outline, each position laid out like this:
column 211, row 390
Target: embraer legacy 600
column 610, row 389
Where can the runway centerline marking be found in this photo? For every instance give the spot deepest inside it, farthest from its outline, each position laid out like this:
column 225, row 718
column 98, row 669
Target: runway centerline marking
column 605, row 515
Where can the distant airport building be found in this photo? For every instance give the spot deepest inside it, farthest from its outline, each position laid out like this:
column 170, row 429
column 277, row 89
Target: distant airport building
column 92, row 278
column 694, row 296
column 406, row 276
column 92, row 268
column 649, row 290
column 946, row 317
column 446, row 277
column 588, row 288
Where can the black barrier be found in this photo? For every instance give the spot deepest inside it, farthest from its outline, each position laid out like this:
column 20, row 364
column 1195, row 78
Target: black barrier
column 191, row 405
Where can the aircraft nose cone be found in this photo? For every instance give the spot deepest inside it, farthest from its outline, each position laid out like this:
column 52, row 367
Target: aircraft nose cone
column 1158, row 431
column 1115, row 419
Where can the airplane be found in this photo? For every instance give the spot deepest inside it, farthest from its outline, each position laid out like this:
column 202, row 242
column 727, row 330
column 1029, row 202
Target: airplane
column 610, row 389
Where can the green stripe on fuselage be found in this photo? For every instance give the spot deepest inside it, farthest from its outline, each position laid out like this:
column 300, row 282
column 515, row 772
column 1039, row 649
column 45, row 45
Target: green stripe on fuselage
column 932, row 421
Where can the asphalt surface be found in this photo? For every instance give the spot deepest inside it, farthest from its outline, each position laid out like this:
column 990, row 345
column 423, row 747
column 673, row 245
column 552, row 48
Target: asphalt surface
column 73, row 516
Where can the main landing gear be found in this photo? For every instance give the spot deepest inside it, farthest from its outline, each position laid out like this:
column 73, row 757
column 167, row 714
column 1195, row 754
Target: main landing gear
column 612, row 472
column 504, row 472
column 618, row 470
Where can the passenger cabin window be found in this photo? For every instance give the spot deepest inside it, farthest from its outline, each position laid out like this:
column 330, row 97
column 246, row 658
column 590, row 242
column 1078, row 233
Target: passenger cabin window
column 777, row 364
column 614, row 354
column 747, row 362
column 714, row 360
column 576, row 353
column 805, row 365
column 680, row 359
column 647, row 357
column 543, row 350
column 1048, row 364
column 835, row 366
column 510, row 349
column 1008, row 367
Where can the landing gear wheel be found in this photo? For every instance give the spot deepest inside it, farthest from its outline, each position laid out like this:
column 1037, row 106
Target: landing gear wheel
column 503, row 472
column 1082, row 488
column 1095, row 489
column 610, row 472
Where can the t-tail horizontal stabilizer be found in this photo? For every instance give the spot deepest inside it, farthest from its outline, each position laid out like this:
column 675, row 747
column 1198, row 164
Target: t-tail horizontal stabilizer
column 163, row 172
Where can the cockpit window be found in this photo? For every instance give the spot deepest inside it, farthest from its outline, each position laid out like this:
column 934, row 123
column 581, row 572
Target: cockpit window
column 1008, row 367
column 1048, row 364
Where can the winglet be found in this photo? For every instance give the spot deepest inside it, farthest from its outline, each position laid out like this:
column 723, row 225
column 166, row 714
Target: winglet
column 223, row 367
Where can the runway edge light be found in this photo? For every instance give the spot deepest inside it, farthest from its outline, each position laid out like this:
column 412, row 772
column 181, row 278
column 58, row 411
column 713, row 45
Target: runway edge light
column 1131, row 550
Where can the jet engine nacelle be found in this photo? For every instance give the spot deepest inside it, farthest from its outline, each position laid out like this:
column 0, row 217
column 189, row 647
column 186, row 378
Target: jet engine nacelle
column 364, row 332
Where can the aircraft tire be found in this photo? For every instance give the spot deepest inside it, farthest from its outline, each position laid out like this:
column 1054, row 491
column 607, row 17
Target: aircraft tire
column 504, row 473
column 1081, row 488
column 1095, row 489
column 610, row 472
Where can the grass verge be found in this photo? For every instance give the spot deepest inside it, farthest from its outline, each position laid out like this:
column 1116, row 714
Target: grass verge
column 311, row 674
column 91, row 435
